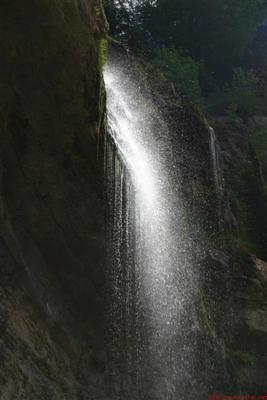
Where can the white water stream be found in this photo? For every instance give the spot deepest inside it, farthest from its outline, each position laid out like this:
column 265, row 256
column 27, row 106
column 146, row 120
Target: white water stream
column 150, row 248
column 217, row 167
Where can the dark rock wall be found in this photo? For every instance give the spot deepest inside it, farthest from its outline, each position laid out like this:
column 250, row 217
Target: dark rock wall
column 244, row 239
column 245, row 205
column 51, row 199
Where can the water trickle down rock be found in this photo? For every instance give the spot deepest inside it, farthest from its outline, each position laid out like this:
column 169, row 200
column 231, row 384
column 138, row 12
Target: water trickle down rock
column 216, row 159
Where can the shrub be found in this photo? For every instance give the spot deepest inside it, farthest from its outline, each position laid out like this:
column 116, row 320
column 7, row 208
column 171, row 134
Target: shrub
column 181, row 69
column 102, row 53
column 243, row 95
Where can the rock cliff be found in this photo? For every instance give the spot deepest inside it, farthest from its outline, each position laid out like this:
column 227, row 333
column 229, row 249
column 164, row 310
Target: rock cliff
column 51, row 208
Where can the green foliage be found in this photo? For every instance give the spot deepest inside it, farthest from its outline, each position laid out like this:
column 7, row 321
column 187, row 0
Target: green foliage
column 248, row 204
column 181, row 69
column 203, row 45
column 97, row 12
column 243, row 95
column 216, row 32
column 238, row 242
column 258, row 140
column 240, row 207
column 125, row 18
column 244, row 245
column 102, row 54
column 241, row 357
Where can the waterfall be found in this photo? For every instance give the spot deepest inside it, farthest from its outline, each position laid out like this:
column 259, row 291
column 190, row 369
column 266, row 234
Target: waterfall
column 149, row 257
column 217, row 167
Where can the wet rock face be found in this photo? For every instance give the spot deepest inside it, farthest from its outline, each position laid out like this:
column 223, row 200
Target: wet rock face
column 245, row 208
column 244, row 234
column 51, row 208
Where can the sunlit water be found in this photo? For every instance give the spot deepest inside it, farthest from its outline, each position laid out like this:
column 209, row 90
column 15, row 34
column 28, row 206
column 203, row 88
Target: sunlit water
column 150, row 258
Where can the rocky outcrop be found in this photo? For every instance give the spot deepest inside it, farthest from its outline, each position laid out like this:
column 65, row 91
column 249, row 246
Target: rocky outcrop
column 244, row 239
column 245, row 205
column 51, row 208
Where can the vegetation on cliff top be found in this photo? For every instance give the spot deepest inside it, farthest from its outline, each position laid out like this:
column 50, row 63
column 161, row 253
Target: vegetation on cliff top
column 216, row 49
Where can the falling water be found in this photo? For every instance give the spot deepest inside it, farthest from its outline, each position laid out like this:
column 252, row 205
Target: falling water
column 151, row 294
column 217, row 167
